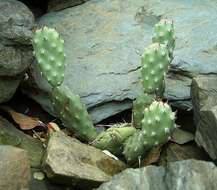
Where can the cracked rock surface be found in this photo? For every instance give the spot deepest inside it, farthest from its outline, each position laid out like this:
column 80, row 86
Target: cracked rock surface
column 105, row 39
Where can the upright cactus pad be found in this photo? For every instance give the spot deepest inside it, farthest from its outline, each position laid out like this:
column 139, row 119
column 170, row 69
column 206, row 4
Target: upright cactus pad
column 113, row 138
column 73, row 113
column 164, row 34
column 158, row 124
column 155, row 62
column 49, row 52
column 142, row 101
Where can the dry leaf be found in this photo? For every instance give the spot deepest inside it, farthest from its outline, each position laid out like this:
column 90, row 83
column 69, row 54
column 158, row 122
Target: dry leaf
column 25, row 122
column 153, row 156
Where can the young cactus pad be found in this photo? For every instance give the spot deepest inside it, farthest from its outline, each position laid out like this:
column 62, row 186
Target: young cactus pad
column 164, row 34
column 49, row 52
column 73, row 113
column 155, row 63
column 113, row 138
column 134, row 147
column 142, row 101
column 158, row 124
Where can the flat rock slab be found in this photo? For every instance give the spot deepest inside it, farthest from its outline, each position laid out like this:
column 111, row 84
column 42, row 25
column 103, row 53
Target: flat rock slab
column 104, row 40
column 14, row 168
column 181, row 175
column 67, row 161
column 10, row 135
column 204, row 98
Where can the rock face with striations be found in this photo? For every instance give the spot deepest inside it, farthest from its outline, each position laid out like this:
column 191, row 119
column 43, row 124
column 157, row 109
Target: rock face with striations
column 16, row 23
column 204, row 98
column 180, row 175
column 104, row 40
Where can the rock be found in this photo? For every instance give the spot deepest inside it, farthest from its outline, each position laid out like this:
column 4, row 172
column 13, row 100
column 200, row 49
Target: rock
column 204, row 98
column 68, row 161
column 55, row 5
column 103, row 45
column 9, row 85
column 14, row 168
column 9, row 135
column 180, row 175
column 180, row 136
column 174, row 152
column 16, row 24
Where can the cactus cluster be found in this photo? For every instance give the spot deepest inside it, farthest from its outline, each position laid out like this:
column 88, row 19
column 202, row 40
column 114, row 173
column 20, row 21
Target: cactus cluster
column 153, row 121
column 49, row 52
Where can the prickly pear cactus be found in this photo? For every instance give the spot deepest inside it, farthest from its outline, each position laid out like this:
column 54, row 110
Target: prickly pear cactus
column 49, row 52
column 113, row 138
column 158, row 124
column 164, row 34
column 142, row 101
column 154, row 64
column 73, row 113
column 134, row 147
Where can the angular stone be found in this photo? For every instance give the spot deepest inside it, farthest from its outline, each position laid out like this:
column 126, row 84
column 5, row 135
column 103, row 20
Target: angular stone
column 68, row 161
column 8, row 87
column 55, row 5
column 180, row 175
column 9, row 135
column 204, row 98
column 16, row 23
column 14, row 168
column 105, row 39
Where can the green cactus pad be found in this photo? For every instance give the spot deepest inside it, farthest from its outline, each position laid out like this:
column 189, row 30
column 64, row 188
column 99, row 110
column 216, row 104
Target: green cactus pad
column 164, row 34
column 158, row 124
column 155, row 63
column 49, row 52
column 113, row 138
column 134, row 147
column 142, row 101
column 72, row 113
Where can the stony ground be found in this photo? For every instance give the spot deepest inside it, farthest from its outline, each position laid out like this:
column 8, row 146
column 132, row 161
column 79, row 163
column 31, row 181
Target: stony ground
column 104, row 40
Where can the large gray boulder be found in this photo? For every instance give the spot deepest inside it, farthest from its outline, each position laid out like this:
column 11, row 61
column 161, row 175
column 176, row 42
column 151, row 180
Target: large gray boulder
column 16, row 24
column 69, row 162
column 204, row 98
column 14, row 168
column 104, row 40
column 180, row 175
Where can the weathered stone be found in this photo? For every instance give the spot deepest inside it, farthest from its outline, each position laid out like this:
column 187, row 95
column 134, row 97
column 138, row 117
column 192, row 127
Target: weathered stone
column 55, row 5
column 174, row 152
column 14, row 168
column 8, row 86
column 204, row 98
column 9, row 135
column 68, row 161
column 105, row 39
column 181, row 175
column 180, row 136
column 16, row 23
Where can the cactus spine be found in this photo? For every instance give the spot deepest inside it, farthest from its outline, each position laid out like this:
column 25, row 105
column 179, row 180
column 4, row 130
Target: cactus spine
column 49, row 52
